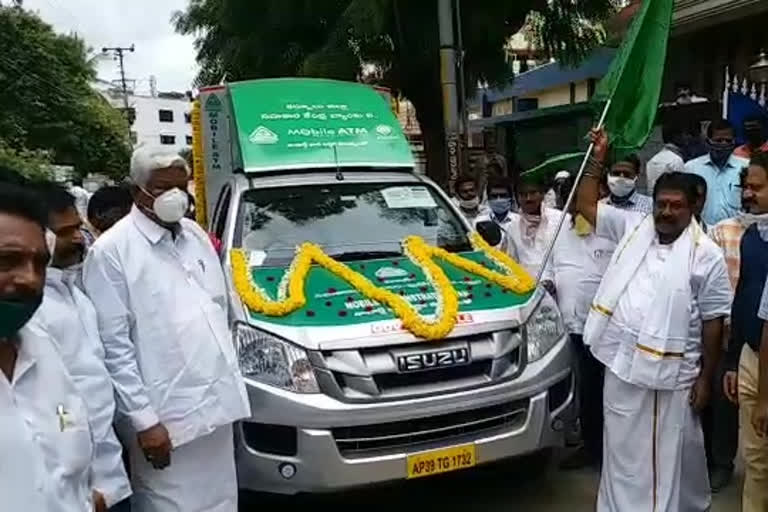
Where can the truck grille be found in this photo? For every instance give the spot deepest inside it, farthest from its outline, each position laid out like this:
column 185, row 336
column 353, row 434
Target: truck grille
column 375, row 374
column 399, row 435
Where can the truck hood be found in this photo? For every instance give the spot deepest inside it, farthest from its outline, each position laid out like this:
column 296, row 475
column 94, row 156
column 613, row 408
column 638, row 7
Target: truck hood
column 337, row 316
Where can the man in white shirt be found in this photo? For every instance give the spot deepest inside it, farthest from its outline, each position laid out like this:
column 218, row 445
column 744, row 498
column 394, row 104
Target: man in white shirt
column 579, row 260
column 530, row 232
column 500, row 207
column 70, row 317
column 45, row 438
column 656, row 324
column 161, row 300
column 467, row 199
column 668, row 159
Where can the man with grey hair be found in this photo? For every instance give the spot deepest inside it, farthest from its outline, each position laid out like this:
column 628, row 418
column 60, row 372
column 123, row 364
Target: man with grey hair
column 159, row 291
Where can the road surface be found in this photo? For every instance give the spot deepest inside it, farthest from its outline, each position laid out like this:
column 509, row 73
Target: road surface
column 507, row 487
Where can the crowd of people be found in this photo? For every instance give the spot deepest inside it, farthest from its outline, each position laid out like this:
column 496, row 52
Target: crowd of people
column 114, row 326
column 664, row 299
column 115, row 344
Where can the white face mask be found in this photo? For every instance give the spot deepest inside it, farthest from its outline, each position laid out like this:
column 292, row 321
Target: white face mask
column 469, row 204
column 620, row 186
column 171, row 205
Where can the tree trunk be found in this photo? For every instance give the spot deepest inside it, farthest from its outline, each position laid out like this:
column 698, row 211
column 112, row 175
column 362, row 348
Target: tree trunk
column 433, row 135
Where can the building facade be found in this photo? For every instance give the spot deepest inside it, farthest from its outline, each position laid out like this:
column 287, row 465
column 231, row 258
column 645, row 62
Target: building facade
column 160, row 118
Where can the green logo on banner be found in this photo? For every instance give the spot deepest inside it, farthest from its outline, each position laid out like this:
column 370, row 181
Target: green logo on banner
column 213, row 103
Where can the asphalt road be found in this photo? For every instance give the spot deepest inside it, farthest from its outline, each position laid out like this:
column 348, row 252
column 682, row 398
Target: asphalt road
column 506, row 487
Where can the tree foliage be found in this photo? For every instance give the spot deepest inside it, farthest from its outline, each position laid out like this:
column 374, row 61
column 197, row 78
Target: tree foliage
column 237, row 39
column 47, row 102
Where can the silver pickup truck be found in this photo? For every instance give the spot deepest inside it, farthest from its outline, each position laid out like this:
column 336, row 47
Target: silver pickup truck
column 342, row 395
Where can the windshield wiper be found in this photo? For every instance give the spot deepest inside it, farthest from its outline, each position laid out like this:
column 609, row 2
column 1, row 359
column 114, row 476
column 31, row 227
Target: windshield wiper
column 365, row 255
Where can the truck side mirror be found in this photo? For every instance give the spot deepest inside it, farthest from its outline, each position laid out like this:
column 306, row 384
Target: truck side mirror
column 490, row 231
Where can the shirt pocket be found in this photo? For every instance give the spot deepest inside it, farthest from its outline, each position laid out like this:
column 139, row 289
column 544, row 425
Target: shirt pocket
column 71, row 437
column 733, row 195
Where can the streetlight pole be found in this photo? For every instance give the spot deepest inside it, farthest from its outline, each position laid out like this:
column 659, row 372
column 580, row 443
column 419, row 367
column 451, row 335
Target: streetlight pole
column 119, row 51
column 450, row 95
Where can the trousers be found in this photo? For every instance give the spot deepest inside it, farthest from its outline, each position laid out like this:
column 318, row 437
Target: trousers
column 721, row 427
column 754, row 448
column 589, row 380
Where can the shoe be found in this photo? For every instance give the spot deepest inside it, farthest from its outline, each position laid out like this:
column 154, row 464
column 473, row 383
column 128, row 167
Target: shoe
column 579, row 459
column 719, row 478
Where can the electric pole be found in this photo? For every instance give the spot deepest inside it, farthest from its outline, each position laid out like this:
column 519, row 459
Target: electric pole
column 445, row 21
column 119, row 52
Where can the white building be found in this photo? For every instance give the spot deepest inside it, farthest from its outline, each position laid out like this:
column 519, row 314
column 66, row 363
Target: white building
column 159, row 117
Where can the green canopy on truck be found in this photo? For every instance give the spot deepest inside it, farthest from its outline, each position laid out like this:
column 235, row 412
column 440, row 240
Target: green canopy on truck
column 295, row 123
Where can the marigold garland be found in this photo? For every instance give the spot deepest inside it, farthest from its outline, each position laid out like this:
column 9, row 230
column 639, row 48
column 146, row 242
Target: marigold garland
column 198, row 166
column 291, row 296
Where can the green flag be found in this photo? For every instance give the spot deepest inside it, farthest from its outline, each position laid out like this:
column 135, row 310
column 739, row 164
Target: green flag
column 633, row 82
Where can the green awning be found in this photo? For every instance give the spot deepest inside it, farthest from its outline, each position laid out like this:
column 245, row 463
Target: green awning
column 296, row 123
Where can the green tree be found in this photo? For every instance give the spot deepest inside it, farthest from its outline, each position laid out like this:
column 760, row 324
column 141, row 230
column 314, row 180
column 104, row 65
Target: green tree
column 47, row 102
column 237, row 40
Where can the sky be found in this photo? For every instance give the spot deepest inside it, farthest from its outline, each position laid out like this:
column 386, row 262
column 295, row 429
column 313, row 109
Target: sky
column 161, row 52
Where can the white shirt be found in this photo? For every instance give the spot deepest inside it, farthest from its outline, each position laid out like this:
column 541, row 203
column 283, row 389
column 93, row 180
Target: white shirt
column 486, row 215
column 666, row 160
column 69, row 316
column 45, row 439
column 579, row 263
column 530, row 253
column 162, row 307
column 710, row 291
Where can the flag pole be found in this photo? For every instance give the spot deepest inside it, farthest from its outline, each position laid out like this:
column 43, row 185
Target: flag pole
column 572, row 193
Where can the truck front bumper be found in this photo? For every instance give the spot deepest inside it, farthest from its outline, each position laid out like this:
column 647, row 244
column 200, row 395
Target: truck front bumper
column 316, row 458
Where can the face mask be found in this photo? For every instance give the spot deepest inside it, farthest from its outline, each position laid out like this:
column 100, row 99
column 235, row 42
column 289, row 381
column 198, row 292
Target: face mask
column 620, row 186
column 500, row 206
column 170, row 206
column 14, row 314
column 720, row 152
column 582, row 225
column 469, row 204
column 748, row 219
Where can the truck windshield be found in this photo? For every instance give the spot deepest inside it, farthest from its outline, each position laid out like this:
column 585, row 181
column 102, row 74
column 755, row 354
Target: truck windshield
column 350, row 221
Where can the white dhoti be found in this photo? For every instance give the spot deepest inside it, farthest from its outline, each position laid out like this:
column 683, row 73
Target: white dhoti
column 201, row 477
column 653, row 451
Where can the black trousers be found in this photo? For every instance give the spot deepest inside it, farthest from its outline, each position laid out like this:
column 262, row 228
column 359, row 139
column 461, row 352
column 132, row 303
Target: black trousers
column 589, row 382
column 720, row 421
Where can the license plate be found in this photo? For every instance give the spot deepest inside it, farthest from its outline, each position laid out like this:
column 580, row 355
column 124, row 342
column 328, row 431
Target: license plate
column 441, row 461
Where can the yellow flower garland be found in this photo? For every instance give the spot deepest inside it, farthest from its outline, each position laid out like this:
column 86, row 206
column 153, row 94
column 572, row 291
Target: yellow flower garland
column 291, row 296
column 198, row 166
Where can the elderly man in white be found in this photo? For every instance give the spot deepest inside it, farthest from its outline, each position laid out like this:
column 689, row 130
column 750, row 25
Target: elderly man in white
column 70, row 317
column 161, row 300
column 45, row 437
column 656, row 324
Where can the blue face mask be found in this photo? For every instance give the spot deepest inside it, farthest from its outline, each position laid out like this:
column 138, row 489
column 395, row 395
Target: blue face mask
column 501, row 206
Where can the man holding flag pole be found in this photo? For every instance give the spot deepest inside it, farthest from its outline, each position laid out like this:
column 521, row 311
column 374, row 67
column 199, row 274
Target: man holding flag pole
column 656, row 320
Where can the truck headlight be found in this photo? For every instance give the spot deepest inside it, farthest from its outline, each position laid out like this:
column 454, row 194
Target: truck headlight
column 268, row 359
column 544, row 328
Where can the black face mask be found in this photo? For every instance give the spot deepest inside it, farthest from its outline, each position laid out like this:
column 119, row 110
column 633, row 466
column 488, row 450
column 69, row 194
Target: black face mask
column 720, row 152
column 15, row 312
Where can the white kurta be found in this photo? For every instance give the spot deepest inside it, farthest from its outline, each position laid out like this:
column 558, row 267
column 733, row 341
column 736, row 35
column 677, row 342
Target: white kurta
column 162, row 307
column 68, row 315
column 530, row 253
column 653, row 455
column 579, row 263
column 45, row 439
